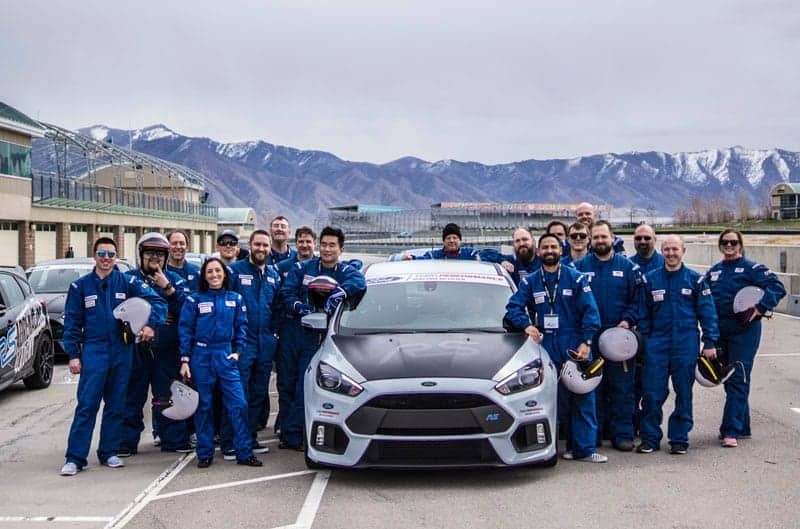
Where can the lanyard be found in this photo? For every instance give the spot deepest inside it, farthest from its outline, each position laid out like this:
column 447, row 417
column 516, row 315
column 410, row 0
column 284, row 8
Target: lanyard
column 551, row 298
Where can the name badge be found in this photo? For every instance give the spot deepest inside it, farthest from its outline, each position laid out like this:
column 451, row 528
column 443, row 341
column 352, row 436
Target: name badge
column 205, row 307
column 246, row 281
column 271, row 280
column 714, row 276
column 120, row 295
column 617, row 273
column 90, row 301
column 658, row 295
column 538, row 297
column 738, row 270
column 190, row 277
column 686, row 291
column 523, row 274
column 551, row 321
column 230, row 303
column 567, row 292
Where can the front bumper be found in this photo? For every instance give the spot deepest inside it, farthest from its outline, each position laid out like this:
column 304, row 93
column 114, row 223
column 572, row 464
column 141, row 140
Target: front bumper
column 443, row 423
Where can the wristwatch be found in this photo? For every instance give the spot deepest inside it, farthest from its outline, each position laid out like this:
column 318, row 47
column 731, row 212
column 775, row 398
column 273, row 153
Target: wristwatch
column 588, row 342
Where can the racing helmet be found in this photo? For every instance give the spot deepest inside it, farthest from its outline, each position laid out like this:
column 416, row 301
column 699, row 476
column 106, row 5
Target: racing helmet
column 180, row 405
column 319, row 289
column 582, row 376
column 152, row 241
column 745, row 301
column 133, row 313
column 711, row 372
column 618, row 344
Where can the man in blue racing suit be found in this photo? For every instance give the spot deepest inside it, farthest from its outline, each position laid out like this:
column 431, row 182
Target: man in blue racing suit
column 522, row 263
column 451, row 247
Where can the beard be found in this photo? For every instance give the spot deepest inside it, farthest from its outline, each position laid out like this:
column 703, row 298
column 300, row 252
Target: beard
column 551, row 259
column 524, row 254
column 602, row 249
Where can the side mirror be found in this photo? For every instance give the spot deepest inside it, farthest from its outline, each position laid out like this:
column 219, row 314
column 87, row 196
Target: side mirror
column 317, row 321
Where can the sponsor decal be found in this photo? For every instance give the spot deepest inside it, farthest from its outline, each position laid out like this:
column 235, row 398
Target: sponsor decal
column 493, row 417
column 686, row 291
column 120, row 295
column 617, row 273
column 19, row 342
column 531, row 403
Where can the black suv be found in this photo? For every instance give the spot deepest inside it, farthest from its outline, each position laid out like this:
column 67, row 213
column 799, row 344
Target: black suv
column 26, row 343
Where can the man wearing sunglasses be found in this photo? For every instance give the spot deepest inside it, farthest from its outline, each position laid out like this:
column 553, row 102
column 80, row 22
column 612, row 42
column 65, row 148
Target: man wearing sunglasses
column 646, row 256
column 584, row 214
column 228, row 246
column 578, row 236
column 94, row 342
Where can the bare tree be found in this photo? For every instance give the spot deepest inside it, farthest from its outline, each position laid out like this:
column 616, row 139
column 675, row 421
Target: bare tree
column 651, row 213
column 743, row 207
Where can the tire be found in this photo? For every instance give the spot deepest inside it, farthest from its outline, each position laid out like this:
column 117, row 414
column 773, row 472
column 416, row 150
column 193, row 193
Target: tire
column 42, row 364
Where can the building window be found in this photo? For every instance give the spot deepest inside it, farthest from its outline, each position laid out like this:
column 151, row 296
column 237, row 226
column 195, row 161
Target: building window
column 45, row 227
column 79, row 228
column 15, row 160
column 8, row 226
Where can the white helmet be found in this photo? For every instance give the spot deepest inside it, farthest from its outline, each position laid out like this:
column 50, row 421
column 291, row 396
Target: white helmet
column 710, row 372
column 181, row 404
column 134, row 314
column 582, row 376
column 745, row 301
column 618, row 344
column 152, row 241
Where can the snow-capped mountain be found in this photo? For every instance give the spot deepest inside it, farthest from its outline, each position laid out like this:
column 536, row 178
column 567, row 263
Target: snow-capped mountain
column 300, row 184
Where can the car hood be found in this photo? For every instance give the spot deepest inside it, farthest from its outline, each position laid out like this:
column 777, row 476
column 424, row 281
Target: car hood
column 451, row 355
column 55, row 302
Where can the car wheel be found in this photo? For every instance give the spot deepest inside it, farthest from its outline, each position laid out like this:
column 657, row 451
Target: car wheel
column 42, row 364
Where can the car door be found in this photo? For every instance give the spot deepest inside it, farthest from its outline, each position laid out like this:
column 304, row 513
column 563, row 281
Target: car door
column 12, row 303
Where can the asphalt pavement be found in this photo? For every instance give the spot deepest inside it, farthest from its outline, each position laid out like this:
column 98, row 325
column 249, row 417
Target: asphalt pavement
column 754, row 485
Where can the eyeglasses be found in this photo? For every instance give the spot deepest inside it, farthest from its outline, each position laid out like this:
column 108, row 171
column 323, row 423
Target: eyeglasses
column 576, row 236
column 109, row 253
column 228, row 243
column 729, row 242
column 642, row 238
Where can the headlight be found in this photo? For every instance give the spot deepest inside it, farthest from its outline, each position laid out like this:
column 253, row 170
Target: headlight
column 332, row 379
column 527, row 377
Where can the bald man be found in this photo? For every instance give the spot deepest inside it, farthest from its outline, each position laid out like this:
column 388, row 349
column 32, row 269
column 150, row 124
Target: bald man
column 646, row 256
column 584, row 214
column 675, row 299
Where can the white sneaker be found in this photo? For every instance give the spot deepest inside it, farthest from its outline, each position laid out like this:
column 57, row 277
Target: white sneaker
column 156, row 440
column 594, row 458
column 568, row 455
column 114, row 462
column 69, row 469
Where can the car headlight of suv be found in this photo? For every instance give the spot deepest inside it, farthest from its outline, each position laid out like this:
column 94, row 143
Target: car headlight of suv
column 527, row 377
column 331, row 379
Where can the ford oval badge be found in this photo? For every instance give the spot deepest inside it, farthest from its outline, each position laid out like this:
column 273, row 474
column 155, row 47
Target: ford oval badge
column 429, row 383
column 327, row 405
column 531, row 403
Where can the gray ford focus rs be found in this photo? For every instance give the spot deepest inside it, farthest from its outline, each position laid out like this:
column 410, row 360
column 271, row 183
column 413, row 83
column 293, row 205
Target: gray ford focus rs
column 420, row 372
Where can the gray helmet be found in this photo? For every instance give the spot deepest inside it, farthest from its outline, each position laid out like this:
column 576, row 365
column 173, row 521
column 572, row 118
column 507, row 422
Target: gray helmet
column 582, row 376
column 618, row 344
column 134, row 314
column 181, row 404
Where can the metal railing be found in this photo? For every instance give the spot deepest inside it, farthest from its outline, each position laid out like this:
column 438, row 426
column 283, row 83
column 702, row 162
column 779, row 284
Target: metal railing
column 46, row 188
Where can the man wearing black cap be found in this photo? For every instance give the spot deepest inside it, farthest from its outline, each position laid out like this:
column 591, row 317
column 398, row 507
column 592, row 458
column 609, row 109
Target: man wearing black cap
column 228, row 246
column 451, row 247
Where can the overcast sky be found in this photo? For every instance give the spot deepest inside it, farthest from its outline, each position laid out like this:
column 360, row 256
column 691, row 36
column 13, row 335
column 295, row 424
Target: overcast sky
column 484, row 81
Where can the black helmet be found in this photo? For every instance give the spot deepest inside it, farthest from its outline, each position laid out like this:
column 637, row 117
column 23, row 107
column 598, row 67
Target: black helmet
column 711, row 372
column 319, row 289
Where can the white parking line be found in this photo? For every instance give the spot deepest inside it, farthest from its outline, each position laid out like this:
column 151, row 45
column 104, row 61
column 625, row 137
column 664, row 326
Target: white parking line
column 71, row 519
column 779, row 354
column 232, row 484
column 310, row 507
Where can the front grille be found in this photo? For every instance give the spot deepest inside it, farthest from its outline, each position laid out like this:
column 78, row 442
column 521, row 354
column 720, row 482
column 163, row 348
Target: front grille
column 429, row 414
column 430, row 453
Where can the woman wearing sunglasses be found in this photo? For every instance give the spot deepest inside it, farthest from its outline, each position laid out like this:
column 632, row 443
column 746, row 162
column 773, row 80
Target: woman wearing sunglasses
column 212, row 331
column 740, row 333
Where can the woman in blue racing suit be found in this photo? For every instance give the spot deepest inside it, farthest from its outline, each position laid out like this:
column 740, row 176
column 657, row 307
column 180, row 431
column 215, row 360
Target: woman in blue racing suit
column 212, row 330
column 740, row 333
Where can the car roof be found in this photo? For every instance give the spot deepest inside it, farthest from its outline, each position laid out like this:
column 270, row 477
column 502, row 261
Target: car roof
column 436, row 266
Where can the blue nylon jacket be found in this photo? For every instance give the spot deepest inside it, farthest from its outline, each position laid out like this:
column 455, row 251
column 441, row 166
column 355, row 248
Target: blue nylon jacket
column 616, row 286
column 212, row 320
column 648, row 265
column 521, row 270
column 726, row 278
column 260, row 293
column 294, row 287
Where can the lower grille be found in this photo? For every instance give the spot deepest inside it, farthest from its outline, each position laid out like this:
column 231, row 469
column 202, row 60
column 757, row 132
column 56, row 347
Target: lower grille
column 430, row 453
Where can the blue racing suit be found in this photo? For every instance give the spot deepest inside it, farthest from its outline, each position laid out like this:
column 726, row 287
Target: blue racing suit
column 618, row 246
column 465, row 253
column 288, row 352
column 213, row 324
column 648, row 265
column 92, row 334
column 673, row 302
column 276, row 257
column 260, row 293
column 521, row 269
column 616, row 285
column 738, row 341
column 567, row 294
column 294, row 293
column 155, row 365
column 190, row 273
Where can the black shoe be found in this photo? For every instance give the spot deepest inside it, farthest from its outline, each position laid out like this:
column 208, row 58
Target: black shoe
column 283, row 445
column 252, row 461
column 258, row 448
column 645, row 448
column 678, row 449
column 185, row 449
column 204, row 463
column 124, row 452
column 624, row 446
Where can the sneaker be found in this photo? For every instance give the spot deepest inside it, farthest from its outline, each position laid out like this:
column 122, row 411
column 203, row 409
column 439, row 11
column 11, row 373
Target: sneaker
column 156, row 441
column 204, row 463
column 258, row 448
column 229, row 455
column 644, row 448
column 126, row 453
column 678, row 449
column 252, row 461
column 185, row 449
column 568, row 455
column 69, row 469
column 729, row 442
column 594, row 458
column 114, row 462
column 623, row 446
column 193, row 439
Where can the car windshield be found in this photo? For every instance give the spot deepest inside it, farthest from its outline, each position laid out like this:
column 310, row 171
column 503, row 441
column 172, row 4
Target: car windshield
column 428, row 306
column 55, row 280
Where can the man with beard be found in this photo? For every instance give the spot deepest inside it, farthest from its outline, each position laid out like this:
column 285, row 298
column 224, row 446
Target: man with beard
column 644, row 240
column 279, row 232
column 578, row 235
column 522, row 263
column 560, row 302
column 584, row 214
column 259, row 285
column 177, row 260
column 157, row 363
column 228, row 246
column 451, row 247
column 616, row 283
